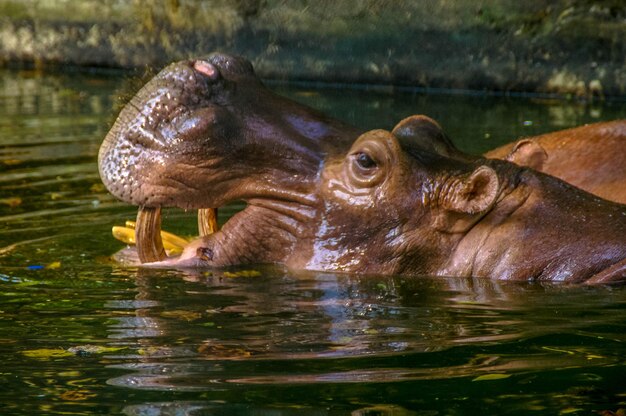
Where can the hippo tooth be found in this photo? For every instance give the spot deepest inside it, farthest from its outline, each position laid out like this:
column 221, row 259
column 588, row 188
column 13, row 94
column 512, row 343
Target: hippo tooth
column 207, row 221
column 148, row 235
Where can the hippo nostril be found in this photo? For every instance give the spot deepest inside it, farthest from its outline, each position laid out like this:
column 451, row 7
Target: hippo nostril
column 208, row 69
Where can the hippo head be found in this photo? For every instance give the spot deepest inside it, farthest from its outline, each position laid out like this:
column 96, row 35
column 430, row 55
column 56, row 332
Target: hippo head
column 206, row 132
column 396, row 200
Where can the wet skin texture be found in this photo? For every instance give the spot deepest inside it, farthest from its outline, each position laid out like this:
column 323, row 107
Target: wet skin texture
column 204, row 133
column 194, row 138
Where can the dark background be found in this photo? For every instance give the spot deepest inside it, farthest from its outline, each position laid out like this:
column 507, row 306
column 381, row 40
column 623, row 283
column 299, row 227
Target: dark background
column 569, row 47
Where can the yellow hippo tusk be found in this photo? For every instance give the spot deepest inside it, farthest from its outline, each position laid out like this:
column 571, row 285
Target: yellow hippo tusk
column 172, row 243
column 207, row 221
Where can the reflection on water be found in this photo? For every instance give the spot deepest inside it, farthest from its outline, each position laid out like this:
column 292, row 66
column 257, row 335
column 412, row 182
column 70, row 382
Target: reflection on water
column 287, row 317
column 283, row 334
column 80, row 335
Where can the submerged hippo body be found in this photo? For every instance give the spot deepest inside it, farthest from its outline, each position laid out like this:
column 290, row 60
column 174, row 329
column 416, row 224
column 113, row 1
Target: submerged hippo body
column 205, row 133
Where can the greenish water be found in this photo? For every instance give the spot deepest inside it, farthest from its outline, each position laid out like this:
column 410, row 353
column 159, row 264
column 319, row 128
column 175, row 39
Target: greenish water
column 80, row 335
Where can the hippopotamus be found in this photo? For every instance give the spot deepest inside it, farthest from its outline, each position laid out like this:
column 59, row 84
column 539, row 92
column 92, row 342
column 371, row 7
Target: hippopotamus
column 592, row 157
column 323, row 195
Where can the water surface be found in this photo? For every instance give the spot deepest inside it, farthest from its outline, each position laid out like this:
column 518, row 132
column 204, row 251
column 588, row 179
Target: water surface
column 82, row 335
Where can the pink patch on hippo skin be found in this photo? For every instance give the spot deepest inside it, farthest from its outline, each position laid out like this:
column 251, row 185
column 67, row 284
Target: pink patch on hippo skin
column 207, row 69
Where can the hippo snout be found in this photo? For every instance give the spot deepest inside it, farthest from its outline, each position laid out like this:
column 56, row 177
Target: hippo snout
column 174, row 119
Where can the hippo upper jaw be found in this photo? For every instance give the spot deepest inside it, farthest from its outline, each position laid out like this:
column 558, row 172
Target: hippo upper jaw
column 189, row 139
column 204, row 132
column 168, row 137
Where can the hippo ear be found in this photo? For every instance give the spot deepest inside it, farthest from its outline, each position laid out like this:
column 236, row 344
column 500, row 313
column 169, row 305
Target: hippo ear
column 467, row 199
column 426, row 133
column 528, row 153
column 475, row 194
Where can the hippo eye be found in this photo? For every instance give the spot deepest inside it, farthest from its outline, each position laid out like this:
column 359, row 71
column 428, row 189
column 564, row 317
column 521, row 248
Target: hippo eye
column 366, row 165
column 364, row 161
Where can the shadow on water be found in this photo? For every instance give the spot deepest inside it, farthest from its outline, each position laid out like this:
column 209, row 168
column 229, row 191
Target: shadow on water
column 81, row 335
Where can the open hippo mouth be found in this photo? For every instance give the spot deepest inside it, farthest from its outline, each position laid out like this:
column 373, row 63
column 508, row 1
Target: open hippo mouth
column 203, row 133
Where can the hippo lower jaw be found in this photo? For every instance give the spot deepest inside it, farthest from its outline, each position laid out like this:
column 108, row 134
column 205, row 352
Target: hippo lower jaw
column 266, row 231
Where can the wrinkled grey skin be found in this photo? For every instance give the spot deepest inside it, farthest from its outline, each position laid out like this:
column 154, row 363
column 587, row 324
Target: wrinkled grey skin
column 205, row 133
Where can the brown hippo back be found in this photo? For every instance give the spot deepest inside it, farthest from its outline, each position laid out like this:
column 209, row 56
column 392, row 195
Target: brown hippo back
column 591, row 157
